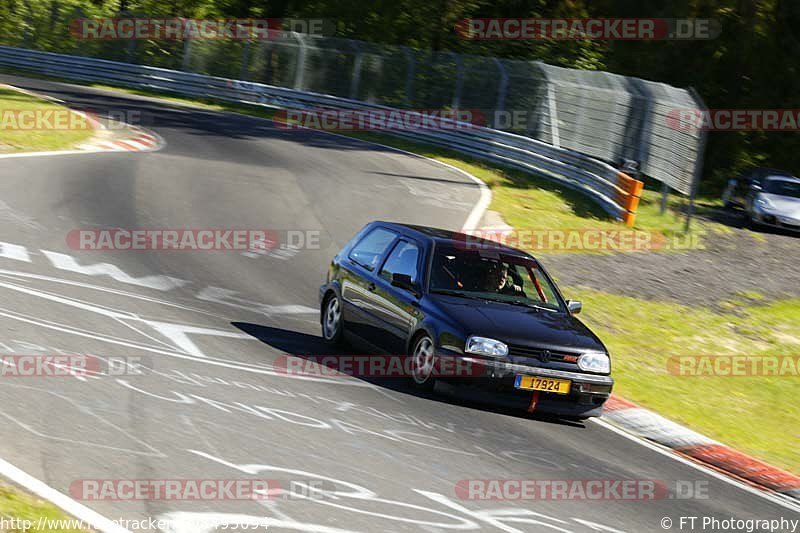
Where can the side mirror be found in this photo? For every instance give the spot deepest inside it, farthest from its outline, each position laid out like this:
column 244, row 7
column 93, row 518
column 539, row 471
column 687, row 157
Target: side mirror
column 403, row 281
column 574, row 306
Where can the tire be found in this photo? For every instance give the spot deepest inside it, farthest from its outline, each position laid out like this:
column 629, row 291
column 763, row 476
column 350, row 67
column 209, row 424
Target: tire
column 331, row 320
column 423, row 359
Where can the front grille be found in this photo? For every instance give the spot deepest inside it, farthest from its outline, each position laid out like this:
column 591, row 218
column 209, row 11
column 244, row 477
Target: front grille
column 537, row 353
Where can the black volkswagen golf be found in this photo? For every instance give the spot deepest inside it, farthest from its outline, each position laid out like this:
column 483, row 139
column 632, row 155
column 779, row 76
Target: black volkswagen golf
column 434, row 294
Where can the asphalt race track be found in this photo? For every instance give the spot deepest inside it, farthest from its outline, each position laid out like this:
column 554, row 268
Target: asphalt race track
column 354, row 455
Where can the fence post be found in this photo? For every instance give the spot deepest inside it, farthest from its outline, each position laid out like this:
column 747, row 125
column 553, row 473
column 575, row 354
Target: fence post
column 664, row 197
column 355, row 79
column 299, row 73
column 408, row 95
column 698, row 164
column 459, row 80
column 187, row 49
column 502, row 89
column 245, row 59
column 555, row 138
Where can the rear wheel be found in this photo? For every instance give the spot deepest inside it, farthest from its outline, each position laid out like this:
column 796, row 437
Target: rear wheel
column 423, row 360
column 332, row 320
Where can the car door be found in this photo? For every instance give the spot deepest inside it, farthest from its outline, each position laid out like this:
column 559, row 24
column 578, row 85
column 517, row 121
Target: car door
column 398, row 308
column 358, row 277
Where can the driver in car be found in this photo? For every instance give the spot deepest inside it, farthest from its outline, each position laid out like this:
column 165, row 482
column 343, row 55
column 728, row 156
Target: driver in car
column 498, row 280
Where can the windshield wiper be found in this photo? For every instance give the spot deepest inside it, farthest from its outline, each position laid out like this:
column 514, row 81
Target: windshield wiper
column 524, row 303
column 461, row 294
column 467, row 294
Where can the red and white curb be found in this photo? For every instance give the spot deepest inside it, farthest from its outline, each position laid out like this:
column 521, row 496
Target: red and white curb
column 135, row 138
column 142, row 141
column 648, row 425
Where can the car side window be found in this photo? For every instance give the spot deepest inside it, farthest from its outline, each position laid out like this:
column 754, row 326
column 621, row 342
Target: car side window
column 402, row 260
column 370, row 249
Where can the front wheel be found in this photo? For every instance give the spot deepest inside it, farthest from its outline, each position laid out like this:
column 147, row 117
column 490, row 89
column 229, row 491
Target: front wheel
column 422, row 363
column 332, row 320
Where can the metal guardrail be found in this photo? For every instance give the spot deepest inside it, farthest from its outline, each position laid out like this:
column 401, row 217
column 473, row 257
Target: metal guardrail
column 614, row 191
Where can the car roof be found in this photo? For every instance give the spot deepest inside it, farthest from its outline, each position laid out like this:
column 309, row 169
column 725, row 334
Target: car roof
column 445, row 236
column 781, row 177
column 766, row 171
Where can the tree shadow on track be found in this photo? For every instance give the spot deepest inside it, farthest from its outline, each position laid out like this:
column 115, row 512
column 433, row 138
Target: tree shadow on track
column 313, row 348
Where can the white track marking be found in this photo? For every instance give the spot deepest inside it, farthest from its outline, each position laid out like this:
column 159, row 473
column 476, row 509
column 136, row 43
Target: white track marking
column 143, row 334
column 228, row 297
column 17, row 274
column 241, row 366
column 27, row 427
column 244, row 367
column 178, row 333
column 15, row 252
column 79, row 511
column 793, row 506
column 187, row 522
column 158, row 281
column 7, row 213
column 43, row 154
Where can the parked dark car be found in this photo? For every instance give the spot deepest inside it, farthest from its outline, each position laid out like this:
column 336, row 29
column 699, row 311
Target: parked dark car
column 769, row 197
column 432, row 293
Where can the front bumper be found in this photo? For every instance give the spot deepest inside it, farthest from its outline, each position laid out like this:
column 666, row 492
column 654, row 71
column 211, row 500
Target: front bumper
column 495, row 384
column 775, row 220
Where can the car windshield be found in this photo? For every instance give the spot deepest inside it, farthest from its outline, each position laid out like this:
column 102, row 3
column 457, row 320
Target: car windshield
column 490, row 274
column 782, row 187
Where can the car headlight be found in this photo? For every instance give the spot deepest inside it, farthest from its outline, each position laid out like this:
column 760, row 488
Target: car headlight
column 595, row 362
column 764, row 203
column 484, row 346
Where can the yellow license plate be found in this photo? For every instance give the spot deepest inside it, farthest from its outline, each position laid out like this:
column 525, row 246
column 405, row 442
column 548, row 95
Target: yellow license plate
column 557, row 386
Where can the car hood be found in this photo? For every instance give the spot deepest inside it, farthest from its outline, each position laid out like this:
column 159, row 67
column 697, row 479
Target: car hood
column 784, row 205
column 518, row 325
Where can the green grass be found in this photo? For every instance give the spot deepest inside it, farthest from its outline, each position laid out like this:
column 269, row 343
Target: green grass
column 17, row 505
column 22, row 139
column 758, row 415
